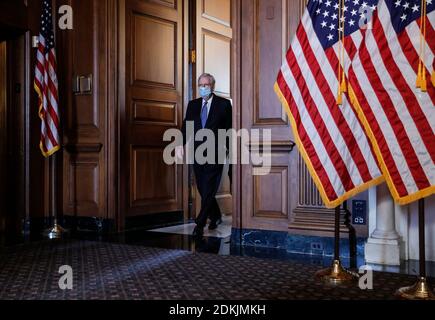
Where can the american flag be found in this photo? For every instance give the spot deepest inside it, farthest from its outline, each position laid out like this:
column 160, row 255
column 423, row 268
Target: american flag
column 45, row 84
column 399, row 116
column 330, row 137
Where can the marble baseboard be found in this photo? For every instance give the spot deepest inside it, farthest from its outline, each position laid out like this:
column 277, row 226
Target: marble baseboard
column 299, row 244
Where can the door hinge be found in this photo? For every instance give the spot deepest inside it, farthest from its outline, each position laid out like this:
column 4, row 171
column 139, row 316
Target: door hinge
column 192, row 56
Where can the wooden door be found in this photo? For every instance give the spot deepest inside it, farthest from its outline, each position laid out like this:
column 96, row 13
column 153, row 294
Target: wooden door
column 153, row 104
column 214, row 36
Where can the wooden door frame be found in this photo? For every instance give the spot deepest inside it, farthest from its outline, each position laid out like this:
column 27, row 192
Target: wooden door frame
column 187, row 18
column 119, row 195
column 236, row 187
column 121, row 121
column 3, row 132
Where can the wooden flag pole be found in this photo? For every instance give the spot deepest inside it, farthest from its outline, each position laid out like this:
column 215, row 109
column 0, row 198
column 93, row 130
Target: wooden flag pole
column 336, row 273
column 420, row 290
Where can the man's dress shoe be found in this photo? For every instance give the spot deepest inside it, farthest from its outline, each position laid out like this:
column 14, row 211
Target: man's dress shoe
column 198, row 232
column 214, row 224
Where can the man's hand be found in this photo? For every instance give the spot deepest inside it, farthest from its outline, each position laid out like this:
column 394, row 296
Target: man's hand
column 179, row 152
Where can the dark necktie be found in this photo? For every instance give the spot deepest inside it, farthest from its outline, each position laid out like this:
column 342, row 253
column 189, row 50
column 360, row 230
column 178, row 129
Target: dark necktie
column 204, row 114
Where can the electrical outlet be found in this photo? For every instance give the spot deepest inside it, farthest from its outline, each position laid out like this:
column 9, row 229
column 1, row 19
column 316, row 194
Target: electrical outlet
column 316, row 246
column 359, row 212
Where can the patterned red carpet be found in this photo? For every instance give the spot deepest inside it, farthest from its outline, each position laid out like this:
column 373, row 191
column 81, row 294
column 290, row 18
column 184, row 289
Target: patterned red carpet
column 103, row 270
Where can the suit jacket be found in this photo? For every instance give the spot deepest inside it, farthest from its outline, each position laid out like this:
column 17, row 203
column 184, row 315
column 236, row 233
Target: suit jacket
column 219, row 117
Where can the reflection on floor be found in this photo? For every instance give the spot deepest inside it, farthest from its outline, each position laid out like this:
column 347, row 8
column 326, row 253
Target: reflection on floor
column 223, row 231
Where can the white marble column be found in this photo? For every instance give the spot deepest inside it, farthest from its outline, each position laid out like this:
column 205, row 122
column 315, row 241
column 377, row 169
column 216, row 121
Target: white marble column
column 383, row 246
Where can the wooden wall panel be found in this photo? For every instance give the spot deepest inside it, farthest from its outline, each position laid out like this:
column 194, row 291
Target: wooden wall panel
column 85, row 195
column 81, row 58
column 154, row 112
column 167, row 3
column 217, row 10
column 154, row 64
column 88, row 156
column 150, row 189
column 268, row 58
column 269, row 204
column 83, row 115
column 269, row 199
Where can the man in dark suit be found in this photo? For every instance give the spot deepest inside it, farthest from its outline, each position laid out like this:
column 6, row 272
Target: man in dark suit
column 213, row 113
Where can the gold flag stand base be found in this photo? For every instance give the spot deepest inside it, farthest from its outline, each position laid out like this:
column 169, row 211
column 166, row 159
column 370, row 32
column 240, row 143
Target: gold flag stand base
column 335, row 274
column 419, row 291
column 56, row 232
